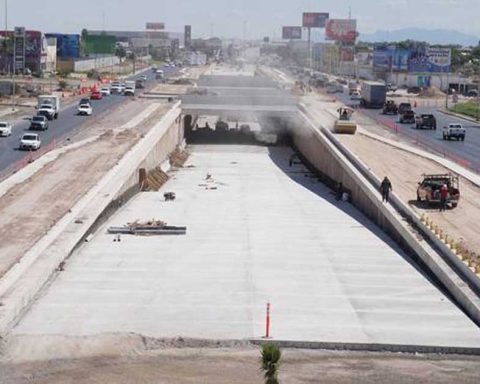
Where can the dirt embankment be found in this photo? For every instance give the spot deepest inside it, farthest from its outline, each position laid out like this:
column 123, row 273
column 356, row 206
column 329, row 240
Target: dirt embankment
column 215, row 366
column 30, row 209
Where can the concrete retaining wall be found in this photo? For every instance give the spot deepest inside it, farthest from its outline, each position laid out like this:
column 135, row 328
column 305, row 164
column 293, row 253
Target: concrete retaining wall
column 336, row 163
column 20, row 285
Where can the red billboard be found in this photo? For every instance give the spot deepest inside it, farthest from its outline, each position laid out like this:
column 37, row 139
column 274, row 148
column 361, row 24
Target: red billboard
column 344, row 30
column 291, row 33
column 315, row 19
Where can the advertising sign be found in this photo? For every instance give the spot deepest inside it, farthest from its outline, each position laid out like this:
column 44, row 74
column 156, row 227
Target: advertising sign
column 390, row 58
column 315, row 19
column 291, row 33
column 344, row 30
column 155, row 26
column 188, row 36
column 430, row 60
column 68, row 46
column 346, row 54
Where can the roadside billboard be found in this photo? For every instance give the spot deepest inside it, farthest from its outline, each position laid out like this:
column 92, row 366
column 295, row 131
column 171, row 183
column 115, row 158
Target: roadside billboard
column 155, row 26
column 346, row 54
column 101, row 44
column 344, row 30
column 430, row 60
column 315, row 19
column 291, row 33
column 68, row 46
column 390, row 58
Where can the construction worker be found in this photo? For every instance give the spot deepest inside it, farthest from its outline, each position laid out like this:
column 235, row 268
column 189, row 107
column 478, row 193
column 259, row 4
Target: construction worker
column 339, row 192
column 385, row 188
column 443, row 197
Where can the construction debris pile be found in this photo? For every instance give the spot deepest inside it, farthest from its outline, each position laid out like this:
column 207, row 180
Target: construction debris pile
column 151, row 227
column 178, row 158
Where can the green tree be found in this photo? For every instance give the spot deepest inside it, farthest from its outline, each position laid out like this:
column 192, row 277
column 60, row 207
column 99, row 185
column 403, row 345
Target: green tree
column 270, row 359
column 120, row 52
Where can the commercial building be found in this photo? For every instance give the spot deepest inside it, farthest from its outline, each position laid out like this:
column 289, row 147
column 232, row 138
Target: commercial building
column 31, row 52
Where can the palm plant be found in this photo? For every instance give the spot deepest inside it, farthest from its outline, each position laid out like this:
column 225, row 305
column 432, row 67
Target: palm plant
column 271, row 355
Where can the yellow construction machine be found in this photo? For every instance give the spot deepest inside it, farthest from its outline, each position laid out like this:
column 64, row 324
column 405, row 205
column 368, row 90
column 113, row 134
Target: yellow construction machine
column 344, row 124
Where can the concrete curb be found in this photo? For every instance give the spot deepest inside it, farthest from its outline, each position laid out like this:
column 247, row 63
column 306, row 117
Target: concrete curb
column 20, row 285
column 369, row 347
column 460, row 116
column 443, row 265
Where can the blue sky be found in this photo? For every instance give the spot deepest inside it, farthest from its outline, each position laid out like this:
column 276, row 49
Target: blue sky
column 226, row 17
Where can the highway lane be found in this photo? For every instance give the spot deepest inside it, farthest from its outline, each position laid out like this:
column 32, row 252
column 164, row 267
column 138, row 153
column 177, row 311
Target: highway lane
column 466, row 153
column 67, row 123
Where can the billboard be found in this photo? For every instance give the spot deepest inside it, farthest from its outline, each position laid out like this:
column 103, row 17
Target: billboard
column 315, row 19
column 390, row 58
column 430, row 60
column 188, row 36
column 155, row 26
column 291, row 33
column 344, row 30
column 346, row 54
column 28, row 47
column 101, row 44
column 68, row 46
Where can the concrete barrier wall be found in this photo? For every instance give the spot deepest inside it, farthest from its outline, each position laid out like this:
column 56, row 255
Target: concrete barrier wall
column 21, row 284
column 320, row 148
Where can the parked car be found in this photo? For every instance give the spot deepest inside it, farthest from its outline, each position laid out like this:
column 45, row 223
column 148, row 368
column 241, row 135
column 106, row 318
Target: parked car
column 5, row 129
column 96, row 95
column 39, row 122
column 454, row 131
column 85, row 110
column 30, row 141
column 105, row 91
column 429, row 189
column 425, row 121
column 408, row 117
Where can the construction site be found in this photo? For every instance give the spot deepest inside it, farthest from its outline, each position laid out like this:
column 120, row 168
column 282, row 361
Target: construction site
column 166, row 242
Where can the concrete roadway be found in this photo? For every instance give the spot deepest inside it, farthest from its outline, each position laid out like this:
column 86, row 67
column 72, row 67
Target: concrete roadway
column 66, row 124
column 466, row 153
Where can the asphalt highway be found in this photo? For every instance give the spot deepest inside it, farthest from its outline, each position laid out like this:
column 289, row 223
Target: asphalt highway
column 466, row 153
column 68, row 123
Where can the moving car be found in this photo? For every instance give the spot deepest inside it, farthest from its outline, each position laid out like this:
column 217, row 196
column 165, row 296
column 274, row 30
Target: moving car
column 129, row 91
column 408, row 117
column 47, row 110
column 403, row 107
column 425, row 121
column 5, row 129
column 96, row 95
column 85, row 109
column 356, row 95
column 116, row 87
column 84, row 101
column 52, row 100
column 454, row 131
column 390, row 108
column 39, row 122
column 30, row 141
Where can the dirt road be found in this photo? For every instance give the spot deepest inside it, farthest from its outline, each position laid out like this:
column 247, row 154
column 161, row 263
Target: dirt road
column 215, row 366
column 405, row 171
column 31, row 208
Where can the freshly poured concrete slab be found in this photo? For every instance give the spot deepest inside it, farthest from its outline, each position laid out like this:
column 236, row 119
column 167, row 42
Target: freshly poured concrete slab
column 259, row 231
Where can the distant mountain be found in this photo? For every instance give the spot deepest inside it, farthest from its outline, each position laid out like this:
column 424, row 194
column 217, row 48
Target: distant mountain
column 432, row 36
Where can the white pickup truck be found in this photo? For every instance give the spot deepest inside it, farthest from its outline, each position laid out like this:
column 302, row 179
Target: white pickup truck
column 455, row 131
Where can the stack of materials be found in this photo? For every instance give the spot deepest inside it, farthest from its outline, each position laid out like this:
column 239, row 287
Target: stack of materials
column 152, row 227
